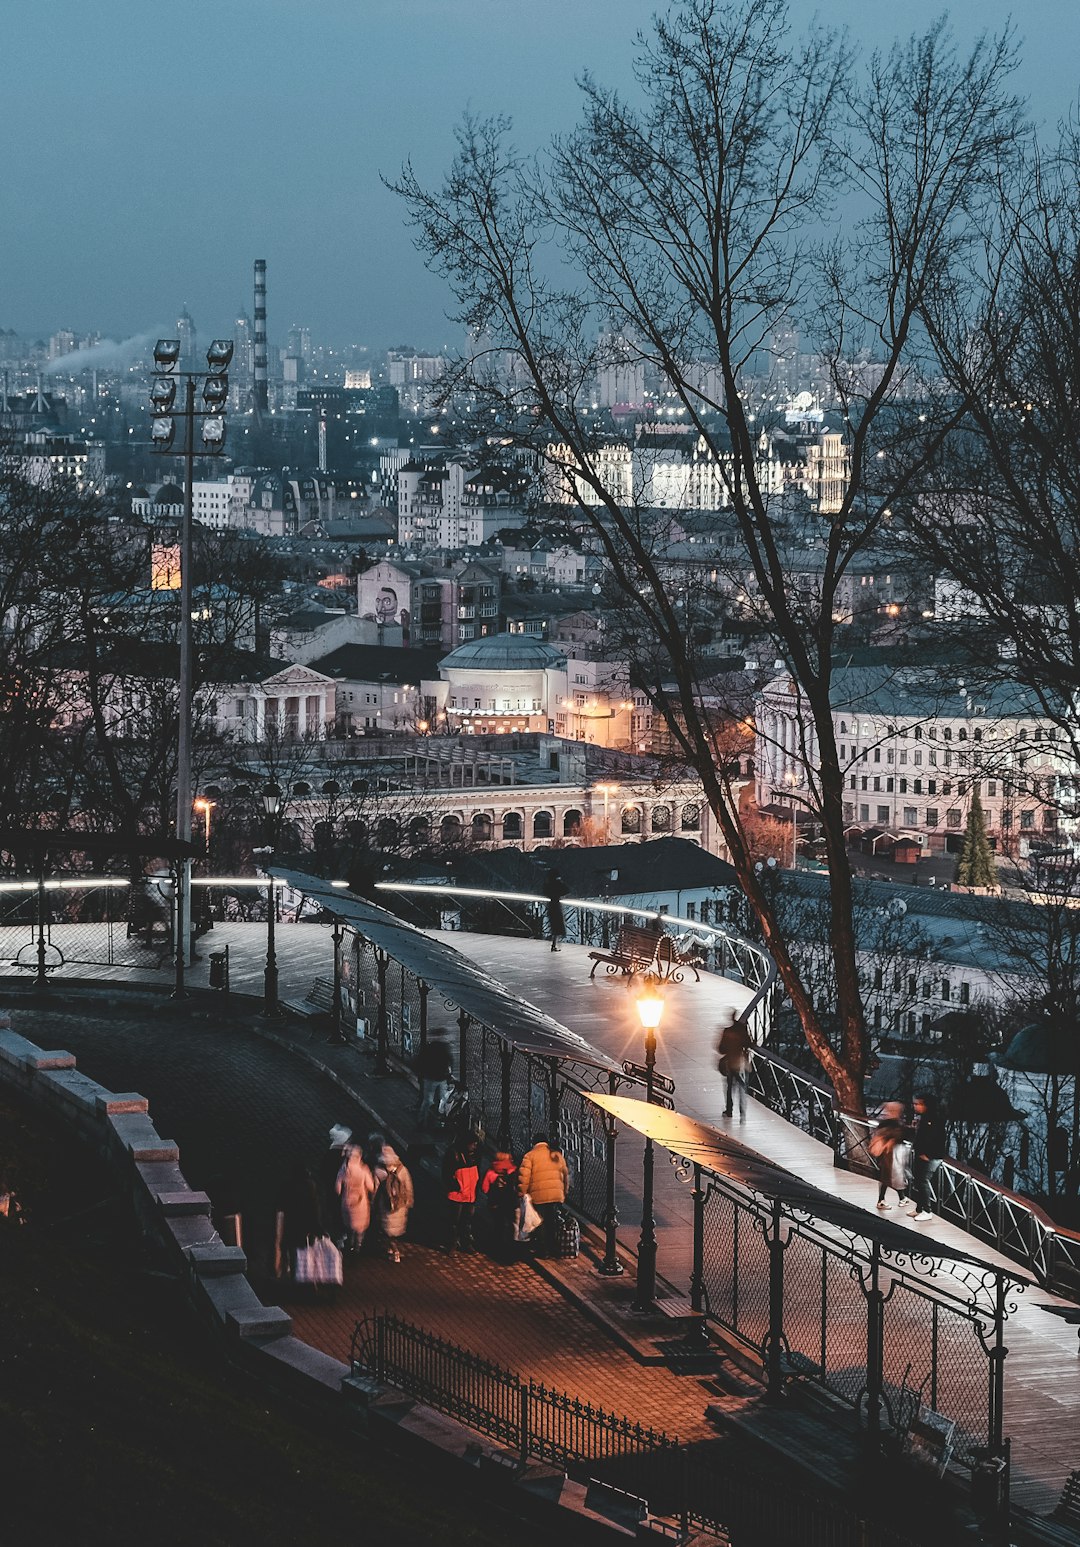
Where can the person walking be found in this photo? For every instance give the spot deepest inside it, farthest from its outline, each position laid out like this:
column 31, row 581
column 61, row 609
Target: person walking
column 461, row 1173
column 329, row 1168
column 890, row 1150
column 929, row 1144
column 433, row 1069
column 355, row 1189
column 544, row 1176
column 555, row 891
column 733, row 1062
column 393, row 1199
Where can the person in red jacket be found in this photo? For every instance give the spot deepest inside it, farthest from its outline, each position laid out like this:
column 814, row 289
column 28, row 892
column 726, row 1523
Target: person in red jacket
column 461, row 1172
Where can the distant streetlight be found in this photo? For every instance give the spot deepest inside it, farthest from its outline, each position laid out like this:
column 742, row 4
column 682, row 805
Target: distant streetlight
column 164, row 414
column 607, row 790
column 650, row 1009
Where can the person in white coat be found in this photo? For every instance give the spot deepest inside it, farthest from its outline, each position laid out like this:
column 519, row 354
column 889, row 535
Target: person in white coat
column 355, row 1188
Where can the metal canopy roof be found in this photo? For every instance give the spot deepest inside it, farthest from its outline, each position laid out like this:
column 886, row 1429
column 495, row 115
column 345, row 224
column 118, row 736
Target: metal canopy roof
column 708, row 1147
column 449, row 973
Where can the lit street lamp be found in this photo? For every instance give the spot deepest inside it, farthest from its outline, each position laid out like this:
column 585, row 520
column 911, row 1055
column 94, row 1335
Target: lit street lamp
column 164, row 414
column 271, row 797
column 607, row 790
column 650, row 1009
column 204, row 808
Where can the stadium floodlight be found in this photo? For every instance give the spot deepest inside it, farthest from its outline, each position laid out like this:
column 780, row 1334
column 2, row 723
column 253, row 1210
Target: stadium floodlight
column 162, row 433
column 219, row 355
column 163, row 394
column 216, row 391
column 213, row 433
column 167, row 354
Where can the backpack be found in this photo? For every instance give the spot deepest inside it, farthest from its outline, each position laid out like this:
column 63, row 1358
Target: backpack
column 393, row 1190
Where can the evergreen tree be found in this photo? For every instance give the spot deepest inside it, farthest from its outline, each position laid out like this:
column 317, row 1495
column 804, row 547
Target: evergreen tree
column 976, row 865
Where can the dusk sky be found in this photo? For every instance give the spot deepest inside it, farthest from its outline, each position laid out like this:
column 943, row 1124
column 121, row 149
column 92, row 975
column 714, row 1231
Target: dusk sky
column 152, row 151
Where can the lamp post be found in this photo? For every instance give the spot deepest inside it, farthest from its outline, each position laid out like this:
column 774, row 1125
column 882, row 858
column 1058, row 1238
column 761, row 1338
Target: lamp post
column 271, row 798
column 650, row 1009
column 165, row 411
column 204, row 808
column 607, row 790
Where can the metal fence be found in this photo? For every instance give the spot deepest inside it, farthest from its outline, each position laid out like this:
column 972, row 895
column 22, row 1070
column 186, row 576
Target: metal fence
column 820, row 1303
column 103, row 921
column 696, row 1487
column 1013, row 1225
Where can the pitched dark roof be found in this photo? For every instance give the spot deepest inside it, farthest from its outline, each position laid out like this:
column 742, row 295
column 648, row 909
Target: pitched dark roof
column 379, row 663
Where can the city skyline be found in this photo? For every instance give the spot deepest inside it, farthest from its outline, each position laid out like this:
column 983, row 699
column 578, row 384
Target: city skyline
column 127, row 207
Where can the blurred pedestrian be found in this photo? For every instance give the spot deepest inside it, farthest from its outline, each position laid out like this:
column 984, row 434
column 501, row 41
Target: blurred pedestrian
column 302, row 1215
column 890, row 1151
column 733, row 1049
column 329, row 1168
column 929, row 1144
column 434, row 1068
column 461, row 1173
column 355, row 1189
column 555, row 891
column 499, row 1188
column 394, row 1198
column 543, row 1177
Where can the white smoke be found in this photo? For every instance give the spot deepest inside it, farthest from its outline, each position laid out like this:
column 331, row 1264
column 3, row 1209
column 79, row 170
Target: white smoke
column 104, row 355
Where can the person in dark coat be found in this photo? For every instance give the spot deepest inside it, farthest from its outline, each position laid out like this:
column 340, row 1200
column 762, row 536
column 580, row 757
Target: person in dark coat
column 733, row 1060
column 929, row 1142
column 304, row 1217
column 555, row 891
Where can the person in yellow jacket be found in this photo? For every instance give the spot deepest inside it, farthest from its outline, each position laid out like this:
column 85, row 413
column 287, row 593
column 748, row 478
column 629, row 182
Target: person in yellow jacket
column 544, row 1176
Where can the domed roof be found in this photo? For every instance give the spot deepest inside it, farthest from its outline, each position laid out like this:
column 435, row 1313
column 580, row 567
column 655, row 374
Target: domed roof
column 504, row 652
column 169, row 494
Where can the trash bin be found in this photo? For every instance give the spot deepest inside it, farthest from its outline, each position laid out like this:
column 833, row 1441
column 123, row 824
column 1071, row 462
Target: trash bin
column 989, row 1485
column 219, row 969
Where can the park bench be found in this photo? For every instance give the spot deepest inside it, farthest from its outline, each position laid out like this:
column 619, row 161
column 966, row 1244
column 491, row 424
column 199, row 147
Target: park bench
column 1067, row 1511
column 643, row 948
column 318, row 1001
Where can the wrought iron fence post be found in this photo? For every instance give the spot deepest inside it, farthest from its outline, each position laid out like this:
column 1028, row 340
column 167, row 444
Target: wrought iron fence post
column 380, row 1349
column 423, row 991
column 775, row 1346
column 506, row 1059
column 611, row 1267
column 553, row 1099
column 697, row 1275
column 997, row 1365
column 523, row 1421
column 463, row 1049
column 41, row 980
column 875, row 1330
column 382, row 1062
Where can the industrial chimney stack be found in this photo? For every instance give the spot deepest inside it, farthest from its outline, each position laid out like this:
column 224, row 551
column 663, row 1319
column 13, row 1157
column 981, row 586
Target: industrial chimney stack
column 261, row 399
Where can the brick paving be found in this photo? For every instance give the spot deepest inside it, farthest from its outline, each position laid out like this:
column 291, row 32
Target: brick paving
column 243, row 1108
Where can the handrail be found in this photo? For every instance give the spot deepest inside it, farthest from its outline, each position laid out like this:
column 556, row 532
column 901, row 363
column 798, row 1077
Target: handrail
column 762, row 974
column 1012, row 1224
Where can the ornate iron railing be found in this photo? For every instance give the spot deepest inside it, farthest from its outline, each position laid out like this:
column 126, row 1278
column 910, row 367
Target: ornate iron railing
column 1012, row 1224
column 693, row 1489
column 534, row 1420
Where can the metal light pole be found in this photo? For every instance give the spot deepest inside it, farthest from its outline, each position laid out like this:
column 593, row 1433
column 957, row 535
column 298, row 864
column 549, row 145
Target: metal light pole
column 650, row 1008
column 165, row 412
column 271, row 1008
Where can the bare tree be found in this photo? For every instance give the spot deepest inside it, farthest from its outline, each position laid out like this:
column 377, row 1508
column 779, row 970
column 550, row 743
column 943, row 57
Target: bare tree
column 694, row 226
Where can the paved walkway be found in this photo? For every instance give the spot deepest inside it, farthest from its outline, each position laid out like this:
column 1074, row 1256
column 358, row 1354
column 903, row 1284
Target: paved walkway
column 234, row 1106
column 242, row 1108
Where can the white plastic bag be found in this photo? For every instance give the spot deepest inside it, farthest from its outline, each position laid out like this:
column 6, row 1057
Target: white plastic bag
column 528, row 1219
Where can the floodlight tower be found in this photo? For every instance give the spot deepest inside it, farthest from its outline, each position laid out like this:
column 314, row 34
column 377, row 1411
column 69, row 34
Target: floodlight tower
column 165, row 412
